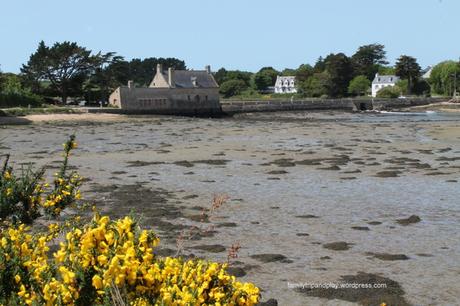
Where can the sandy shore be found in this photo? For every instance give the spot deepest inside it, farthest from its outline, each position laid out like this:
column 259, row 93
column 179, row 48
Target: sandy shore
column 100, row 117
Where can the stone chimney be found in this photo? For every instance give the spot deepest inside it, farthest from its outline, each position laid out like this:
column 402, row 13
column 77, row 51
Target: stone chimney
column 130, row 84
column 194, row 83
column 171, row 77
column 208, row 69
column 159, row 68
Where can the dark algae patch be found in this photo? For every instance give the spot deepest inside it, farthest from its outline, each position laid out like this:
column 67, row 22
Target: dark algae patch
column 269, row 257
column 411, row 220
column 361, row 228
column 391, row 294
column 211, row 248
column 386, row 256
column 337, row 246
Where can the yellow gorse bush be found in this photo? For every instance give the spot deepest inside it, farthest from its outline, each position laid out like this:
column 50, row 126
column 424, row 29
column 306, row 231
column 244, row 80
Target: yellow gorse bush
column 101, row 263
column 107, row 255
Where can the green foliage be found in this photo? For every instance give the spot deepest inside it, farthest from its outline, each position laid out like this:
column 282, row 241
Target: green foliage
column 403, row 86
column 368, row 59
column 422, row 87
column 340, row 70
column 23, row 99
column 442, row 78
column 303, row 72
column 232, row 88
column 13, row 94
column 265, row 77
column 288, row 72
column 65, row 65
column 315, row 86
column 386, row 70
column 222, row 76
column 359, row 86
column 407, row 68
column 389, row 92
column 22, row 196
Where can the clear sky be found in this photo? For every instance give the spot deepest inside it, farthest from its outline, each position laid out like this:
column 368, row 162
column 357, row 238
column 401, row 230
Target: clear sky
column 235, row 34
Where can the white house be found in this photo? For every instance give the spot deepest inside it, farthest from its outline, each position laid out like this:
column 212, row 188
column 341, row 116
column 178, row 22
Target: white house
column 381, row 81
column 285, row 84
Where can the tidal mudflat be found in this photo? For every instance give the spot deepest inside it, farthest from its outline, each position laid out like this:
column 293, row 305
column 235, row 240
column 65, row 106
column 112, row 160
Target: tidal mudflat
column 314, row 198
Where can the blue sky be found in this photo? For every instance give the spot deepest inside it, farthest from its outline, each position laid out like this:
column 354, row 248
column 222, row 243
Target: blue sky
column 237, row 34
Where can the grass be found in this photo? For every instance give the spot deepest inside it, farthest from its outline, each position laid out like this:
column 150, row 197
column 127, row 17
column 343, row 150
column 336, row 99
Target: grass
column 24, row 111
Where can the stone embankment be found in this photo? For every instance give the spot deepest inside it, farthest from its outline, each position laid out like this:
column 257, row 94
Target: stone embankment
column 235, row 106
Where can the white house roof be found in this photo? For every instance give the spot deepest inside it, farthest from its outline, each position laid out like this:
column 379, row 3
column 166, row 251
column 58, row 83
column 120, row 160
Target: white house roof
column 427, row 73
column 385, row 79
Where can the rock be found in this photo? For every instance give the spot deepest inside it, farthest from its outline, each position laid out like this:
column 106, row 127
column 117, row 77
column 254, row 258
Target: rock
column 236, row 271
column 412, row 219
column 386, row 256
column 361, row 228
column 337, row 246
column 269, row 257
column 270, row 302
column 212, row 248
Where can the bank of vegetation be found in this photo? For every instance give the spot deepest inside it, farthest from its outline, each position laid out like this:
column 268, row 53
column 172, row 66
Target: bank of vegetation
column 66, row 73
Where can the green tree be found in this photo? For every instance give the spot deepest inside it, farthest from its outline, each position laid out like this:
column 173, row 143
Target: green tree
column 407, row 68
column 386, row 70
column 288, row 72
column 368, row 59
column 265, row 77
column 340, row 70
column 220, row 75
column 65, row 65
column 442, row 78
column 359, row 86
column 315, row 86
column 320, row 65
column 232, row 88
column 304, row 72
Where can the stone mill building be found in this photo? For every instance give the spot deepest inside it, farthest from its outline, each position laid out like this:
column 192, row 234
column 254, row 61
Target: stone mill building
column 171, row 92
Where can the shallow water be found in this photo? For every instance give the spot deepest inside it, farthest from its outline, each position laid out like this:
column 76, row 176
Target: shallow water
column 418, row 153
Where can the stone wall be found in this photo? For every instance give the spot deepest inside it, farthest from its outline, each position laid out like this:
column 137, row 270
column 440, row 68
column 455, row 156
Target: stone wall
column 231, row 107
column 170, row 101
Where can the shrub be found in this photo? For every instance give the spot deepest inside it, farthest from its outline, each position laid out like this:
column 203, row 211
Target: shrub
column 389, row 92
column 232, row 88
column 24, row 197
column 14, row 99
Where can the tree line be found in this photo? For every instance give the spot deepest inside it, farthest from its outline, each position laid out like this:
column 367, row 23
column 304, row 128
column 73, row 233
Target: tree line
column 339, row 75
column 68, row 70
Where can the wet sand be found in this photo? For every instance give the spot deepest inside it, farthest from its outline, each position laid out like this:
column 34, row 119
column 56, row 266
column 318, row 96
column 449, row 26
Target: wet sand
column 314, row 197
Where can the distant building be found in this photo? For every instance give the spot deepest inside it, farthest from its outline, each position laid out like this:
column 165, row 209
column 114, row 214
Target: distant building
column 176, row 92
column 426, row 74
column 285, row 84
column 382, row 81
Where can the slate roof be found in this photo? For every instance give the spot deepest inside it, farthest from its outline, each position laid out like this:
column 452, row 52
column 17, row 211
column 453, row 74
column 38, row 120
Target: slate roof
column 385, row 79
column 183, row 79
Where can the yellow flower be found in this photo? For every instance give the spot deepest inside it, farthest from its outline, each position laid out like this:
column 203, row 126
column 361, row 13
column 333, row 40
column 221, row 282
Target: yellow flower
column 97, row 282
column 7, row 175
column 17, row 278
